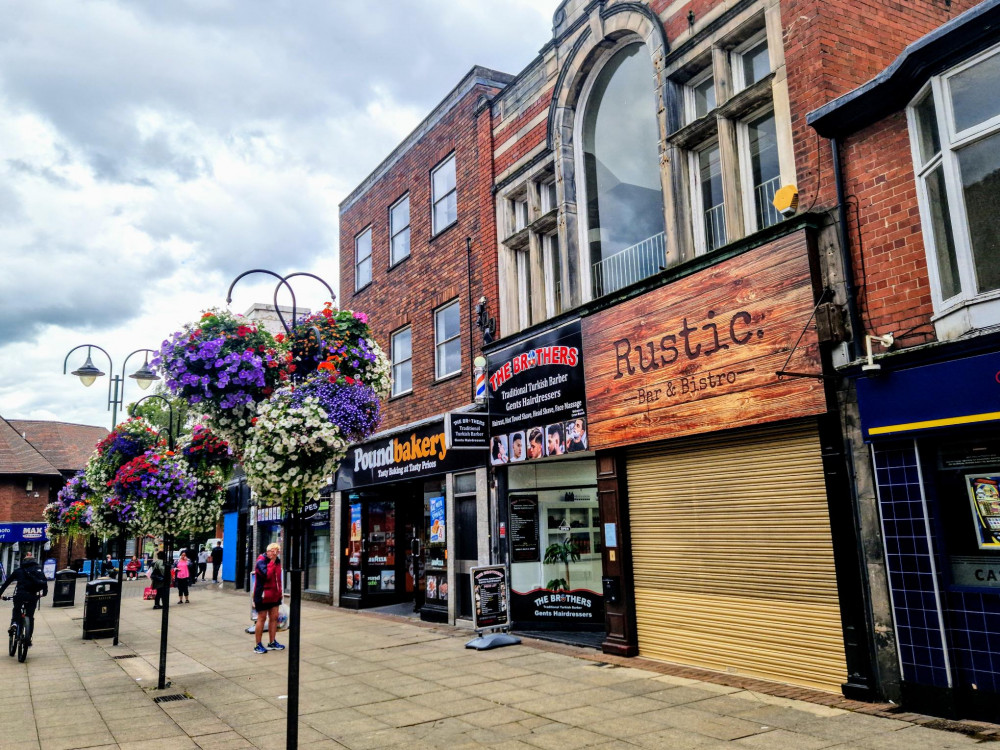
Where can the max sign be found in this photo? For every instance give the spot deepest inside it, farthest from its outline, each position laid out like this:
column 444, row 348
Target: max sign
column 22, row 532
column 705, row 351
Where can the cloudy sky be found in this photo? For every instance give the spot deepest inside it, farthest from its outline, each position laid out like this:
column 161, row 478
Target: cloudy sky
column 152, row 151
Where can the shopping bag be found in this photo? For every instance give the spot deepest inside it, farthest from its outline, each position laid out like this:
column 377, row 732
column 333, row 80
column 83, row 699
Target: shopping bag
column 149, row 593
column 283, row 617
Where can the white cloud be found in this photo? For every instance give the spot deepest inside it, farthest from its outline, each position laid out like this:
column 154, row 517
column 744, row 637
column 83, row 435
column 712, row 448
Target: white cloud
column 150, row 152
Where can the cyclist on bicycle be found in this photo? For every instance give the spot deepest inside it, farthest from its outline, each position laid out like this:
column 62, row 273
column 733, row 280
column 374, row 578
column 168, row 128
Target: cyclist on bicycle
column 30, row 581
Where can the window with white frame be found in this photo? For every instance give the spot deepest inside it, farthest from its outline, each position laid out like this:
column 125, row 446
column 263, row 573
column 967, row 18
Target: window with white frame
column 523, row 261
column 363, row 259
column 553, row 270
column 399, row 230
column 955, row 138
column 444, row 208
column 750, row 61
column 402, row 361
column 447, row 342
column 518, row 208
column 547, row 196
column 699, row 96
column 708, row 199
column 760, row 170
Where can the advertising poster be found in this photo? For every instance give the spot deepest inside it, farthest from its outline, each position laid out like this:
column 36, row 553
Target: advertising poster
column 524, row 528
column 438, row 532
column 489, row 594
column 537, row 399
column 984, row 494
column 356, row 522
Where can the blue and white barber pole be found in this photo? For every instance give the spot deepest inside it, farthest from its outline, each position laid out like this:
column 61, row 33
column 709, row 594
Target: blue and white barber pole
column 479, row 374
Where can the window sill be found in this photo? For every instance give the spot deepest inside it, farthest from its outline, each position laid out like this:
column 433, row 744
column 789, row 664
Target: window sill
column 398, row 396
column 518, row 240
column 398, row 263
column 443, row 231
column 446, row 378
column 361, row 289
column 969, row 315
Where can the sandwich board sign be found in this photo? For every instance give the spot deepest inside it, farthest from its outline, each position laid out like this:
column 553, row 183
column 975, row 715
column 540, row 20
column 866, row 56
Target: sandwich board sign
column 491, row 607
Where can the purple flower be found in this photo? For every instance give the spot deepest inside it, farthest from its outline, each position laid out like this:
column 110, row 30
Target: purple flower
column 354, row 408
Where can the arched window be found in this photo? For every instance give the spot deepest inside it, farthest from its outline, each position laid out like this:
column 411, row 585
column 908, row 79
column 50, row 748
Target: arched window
column 624, row 201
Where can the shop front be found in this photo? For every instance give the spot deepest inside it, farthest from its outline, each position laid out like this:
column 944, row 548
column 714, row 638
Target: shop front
column 547, row 477
column 405, row 502
column 937, row 475
column 17, row 538
column 711, row 472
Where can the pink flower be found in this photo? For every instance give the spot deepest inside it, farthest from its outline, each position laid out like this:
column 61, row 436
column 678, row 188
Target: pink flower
column 362, row 317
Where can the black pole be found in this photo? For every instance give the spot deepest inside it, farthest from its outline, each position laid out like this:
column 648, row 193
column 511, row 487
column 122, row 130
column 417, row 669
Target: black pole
column 121, row 568
column 165, row 617
column 295, row 607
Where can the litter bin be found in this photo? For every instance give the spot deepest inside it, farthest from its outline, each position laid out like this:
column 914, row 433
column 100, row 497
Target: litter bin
column 64, row 589
column 100, row 609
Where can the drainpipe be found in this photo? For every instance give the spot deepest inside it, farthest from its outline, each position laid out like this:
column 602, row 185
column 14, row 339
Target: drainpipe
column 857, row 332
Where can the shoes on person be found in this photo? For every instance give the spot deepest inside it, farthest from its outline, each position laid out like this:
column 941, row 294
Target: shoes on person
column 258, row 649
column 12, row 630
column 187, row 601
column 251, row 629
column 275, row 646
column 157, row 606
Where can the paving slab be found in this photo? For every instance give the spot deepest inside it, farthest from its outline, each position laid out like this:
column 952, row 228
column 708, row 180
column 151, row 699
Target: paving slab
column 374, row 682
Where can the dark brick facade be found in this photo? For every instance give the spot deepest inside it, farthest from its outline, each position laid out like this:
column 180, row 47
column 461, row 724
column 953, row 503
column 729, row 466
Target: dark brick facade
column 440, row 268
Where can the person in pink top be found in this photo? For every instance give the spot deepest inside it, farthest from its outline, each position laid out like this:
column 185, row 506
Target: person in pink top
column 267, row 597
column 182, row 579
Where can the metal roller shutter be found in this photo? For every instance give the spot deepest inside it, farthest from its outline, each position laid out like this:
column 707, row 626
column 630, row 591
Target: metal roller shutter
column 733, row 558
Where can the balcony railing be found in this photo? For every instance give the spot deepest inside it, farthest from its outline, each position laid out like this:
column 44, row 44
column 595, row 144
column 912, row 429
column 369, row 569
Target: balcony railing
column 628, row 266
column 767, row 214
column 715, row 227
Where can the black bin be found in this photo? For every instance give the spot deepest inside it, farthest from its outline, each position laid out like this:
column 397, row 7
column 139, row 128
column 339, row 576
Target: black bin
column 100, row 609
column 64, row 589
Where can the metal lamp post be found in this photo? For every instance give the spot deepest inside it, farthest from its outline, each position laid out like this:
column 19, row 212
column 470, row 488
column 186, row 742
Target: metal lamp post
column 144, row 377
column 293, row 527
column 161, row 682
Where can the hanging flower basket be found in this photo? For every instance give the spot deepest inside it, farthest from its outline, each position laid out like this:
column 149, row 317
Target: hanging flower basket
column 74, row 501
column 154, row 486
column 128, row 440
column 225, row 365
column 344, row 349
column 52, row 514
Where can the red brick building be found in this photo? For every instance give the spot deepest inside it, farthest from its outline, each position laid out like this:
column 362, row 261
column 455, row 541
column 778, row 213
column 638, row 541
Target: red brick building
column 36, row 459
column 919, row 148
column 417, row 256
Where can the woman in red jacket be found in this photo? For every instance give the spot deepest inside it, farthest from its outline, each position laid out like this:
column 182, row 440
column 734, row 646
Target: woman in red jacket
column 267, row 597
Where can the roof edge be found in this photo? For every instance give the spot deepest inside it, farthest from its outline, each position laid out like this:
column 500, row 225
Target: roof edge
column 893, row 88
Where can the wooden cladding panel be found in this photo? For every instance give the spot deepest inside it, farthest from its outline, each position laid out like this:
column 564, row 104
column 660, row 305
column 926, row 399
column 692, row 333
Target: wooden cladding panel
column 702, row 353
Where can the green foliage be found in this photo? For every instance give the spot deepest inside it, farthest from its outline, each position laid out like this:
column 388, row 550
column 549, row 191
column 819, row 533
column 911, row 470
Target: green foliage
column 157, row 414
column 563, row 552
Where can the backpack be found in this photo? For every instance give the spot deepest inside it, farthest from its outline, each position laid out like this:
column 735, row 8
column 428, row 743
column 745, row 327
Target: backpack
column 33, row 580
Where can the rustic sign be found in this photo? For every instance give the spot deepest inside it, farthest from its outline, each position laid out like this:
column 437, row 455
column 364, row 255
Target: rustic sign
column 702, row 354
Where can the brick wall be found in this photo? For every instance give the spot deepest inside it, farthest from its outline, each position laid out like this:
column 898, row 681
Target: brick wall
column 18, row 505
column 831, row 48
column 436, row 271
column 888, row 253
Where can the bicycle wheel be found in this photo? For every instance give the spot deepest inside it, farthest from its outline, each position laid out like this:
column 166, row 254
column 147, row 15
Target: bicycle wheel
column 22, row 645
column 13, row 642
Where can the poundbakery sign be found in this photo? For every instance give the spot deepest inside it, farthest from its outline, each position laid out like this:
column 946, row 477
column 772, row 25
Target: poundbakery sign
column 408, row 455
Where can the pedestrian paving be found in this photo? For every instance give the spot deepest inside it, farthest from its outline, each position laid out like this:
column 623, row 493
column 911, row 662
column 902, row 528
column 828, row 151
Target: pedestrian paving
column 373, row 681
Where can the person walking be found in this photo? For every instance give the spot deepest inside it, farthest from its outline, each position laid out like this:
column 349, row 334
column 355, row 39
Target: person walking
column 182, row 579
column 267, row 597
column 202, row 563
column 159, row 580
column 216, row 562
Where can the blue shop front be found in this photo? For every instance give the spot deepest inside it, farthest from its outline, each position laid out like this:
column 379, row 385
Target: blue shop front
column 935, row 446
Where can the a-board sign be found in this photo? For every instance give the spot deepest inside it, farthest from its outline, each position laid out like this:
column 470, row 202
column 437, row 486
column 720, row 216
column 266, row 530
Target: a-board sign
column 491, row 606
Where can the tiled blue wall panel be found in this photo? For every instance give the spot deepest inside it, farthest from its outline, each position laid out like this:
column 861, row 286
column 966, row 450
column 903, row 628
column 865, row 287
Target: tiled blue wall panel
column 908, row 556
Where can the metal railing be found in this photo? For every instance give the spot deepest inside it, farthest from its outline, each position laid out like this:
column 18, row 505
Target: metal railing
column 628, row 266
column 767, row 214
column 715, row 227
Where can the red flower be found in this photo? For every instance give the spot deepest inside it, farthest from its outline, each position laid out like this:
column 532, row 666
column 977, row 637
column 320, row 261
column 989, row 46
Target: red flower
column 280, row 338
column 243, row 330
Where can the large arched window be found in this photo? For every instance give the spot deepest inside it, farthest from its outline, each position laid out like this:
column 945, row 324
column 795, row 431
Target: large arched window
column 624, row 227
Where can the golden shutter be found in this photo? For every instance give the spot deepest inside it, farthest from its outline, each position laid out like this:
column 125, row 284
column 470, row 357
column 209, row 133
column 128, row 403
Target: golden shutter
column 733, row 558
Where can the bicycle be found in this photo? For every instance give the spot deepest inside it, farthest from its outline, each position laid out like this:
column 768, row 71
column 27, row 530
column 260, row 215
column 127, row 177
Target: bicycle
column 20, row 635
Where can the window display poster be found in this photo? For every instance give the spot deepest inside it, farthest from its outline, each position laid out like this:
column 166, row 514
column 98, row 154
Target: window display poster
column 524, row 528
column 437, row 520
column 984, row 494
column 355, row 522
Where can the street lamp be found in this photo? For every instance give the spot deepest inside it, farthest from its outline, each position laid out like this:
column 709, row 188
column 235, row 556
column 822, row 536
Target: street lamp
column 293, row 524
column 88, row 374
column 167, row 550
